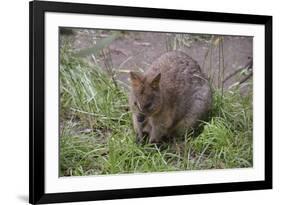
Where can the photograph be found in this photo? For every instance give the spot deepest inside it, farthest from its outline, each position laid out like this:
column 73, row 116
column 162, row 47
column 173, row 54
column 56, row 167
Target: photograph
column 133, row 102
column 140, row 102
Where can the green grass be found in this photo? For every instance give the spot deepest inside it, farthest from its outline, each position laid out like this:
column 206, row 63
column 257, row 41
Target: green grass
column 96, row 134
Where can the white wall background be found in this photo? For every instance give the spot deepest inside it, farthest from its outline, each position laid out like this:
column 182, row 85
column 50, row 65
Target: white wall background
column 14, row 100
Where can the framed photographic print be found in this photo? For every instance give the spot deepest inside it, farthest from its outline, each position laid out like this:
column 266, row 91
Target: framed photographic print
column 141, row 102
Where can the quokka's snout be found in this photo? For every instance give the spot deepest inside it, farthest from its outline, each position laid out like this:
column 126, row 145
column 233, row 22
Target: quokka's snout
column 173, row 93
column 140, row 117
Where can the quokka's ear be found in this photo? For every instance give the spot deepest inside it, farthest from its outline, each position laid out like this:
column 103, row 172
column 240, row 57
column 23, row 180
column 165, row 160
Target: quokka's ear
column 135, row 79
column 155, row 82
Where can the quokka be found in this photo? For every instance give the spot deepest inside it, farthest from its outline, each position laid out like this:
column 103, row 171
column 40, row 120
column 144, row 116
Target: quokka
column 173, row 95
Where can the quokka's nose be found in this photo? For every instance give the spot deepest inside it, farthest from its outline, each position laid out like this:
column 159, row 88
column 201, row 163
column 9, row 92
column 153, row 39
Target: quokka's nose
column 140, row 117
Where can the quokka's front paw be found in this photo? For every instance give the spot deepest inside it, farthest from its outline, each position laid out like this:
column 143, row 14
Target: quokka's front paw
column 139, row 140
column 154, row 141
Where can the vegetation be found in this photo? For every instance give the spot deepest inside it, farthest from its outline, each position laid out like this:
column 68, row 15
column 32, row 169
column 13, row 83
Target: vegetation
column 96, row 134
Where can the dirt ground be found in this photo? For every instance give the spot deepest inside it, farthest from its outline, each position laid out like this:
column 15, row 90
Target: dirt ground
column 136, row 50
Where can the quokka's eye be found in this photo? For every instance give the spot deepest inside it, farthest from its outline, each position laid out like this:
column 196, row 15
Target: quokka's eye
column 148, row 105
column 136, row 104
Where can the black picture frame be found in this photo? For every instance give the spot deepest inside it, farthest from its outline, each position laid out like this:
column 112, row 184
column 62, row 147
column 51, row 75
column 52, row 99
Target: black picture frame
column 37, row 10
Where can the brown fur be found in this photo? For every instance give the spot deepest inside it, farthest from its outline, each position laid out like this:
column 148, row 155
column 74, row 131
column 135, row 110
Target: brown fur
column 173, row 95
